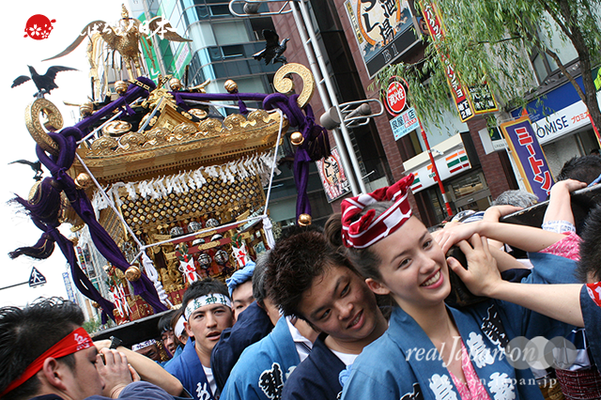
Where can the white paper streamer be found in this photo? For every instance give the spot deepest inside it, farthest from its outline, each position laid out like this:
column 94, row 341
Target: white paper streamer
column 160, row 187
column 153, row 275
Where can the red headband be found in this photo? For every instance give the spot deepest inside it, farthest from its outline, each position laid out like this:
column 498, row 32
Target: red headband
column 73, row 342
column 367, row 230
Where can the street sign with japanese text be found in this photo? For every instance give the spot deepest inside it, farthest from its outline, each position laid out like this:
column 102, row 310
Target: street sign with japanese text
column 528, row 156
column 395, row 97
column 405, row 123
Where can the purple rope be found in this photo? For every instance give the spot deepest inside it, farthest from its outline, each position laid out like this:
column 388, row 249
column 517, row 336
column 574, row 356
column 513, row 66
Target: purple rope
column 180, row 98
column 66, row 141
column 314, row 147
column 133, row 93
column 44, row 214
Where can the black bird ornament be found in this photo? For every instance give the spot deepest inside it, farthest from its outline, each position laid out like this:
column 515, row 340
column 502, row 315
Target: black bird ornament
column 274, row 50
column 44, row 83
column 35, row 166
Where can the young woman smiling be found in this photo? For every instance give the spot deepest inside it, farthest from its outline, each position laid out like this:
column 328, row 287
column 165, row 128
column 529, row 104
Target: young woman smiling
column 431, row 351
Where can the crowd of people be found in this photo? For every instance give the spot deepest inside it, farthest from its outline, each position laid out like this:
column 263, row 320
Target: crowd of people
column 355, row 311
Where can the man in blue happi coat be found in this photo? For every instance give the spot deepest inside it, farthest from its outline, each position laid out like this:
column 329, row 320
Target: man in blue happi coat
column 263, row 368
column 45, row 354
column 207, row 312
column 252, row 324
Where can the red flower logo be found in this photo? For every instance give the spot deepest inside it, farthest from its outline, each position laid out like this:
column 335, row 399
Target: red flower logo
column 38, row 27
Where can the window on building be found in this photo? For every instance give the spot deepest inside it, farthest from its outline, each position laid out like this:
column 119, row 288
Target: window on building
column 543, row 65
column 230, row 33
column 233, row 51
column 258, row 24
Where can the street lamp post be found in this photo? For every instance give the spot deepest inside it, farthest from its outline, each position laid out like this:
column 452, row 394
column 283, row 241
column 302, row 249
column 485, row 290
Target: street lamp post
column 325, row 88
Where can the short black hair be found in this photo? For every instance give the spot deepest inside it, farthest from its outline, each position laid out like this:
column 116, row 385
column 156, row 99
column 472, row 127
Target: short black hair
column 203, row 288
column 166, row 321
column 584, row 169
column 294, row 263
column 590, row 248
column 26, row 333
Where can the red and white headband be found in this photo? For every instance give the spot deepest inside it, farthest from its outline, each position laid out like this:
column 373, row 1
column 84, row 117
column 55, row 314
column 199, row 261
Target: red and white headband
column 73, row 342
column 367, row 230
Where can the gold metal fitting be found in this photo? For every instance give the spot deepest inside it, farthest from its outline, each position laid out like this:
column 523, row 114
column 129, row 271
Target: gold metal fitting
column 297, row 138
column 121, row 87
column 86, row 109
column 95, row 305
column 74, row 239
column 231, row 86
column 304, row 220
column 83, row 181
column 175, row 84
column 133, row 273
column 49, row 122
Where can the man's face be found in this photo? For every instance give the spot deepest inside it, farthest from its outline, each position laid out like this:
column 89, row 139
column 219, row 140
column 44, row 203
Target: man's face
column 84, row 380
column 151, row 352
column 206, row 324
column 242, row 297
column 168, row 338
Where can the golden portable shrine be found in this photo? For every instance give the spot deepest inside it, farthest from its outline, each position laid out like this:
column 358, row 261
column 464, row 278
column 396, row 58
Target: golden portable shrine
column 165, row 187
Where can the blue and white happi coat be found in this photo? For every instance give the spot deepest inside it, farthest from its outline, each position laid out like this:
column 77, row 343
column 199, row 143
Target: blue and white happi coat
column 317, row 376
column 404, row 364
column 188, row 369
column 264, row 367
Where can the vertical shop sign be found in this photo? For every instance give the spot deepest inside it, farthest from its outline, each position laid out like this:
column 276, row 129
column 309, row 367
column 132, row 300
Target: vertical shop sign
column 382, row 29
column 68, row 287
column 469, row 101
column 334, row 180
column 528, row 156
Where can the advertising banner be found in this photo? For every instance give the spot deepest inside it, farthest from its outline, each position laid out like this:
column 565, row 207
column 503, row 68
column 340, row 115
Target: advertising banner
column 528, row 156
column 334, row 180
column 469, row 101
column 382, row 30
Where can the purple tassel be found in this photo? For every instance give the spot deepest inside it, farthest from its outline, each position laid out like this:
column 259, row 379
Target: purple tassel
column 41, row 250
column 315, row 146
column 46, row 202
column 242, row 107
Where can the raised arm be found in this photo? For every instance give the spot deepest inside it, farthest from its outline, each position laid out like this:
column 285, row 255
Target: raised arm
column 558, row 301
column 148, row 370
column 560, row 205
column 494, row 214
column 524, row 237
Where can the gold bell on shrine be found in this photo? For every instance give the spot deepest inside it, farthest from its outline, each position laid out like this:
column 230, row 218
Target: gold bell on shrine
column 83, row 181
column 121, row 87
column 296, row 138
column 304, row 220
column 231, row 86
column 133, row 273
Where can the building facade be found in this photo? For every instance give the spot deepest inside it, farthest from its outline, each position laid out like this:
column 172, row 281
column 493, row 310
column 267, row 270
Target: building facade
column 473, row 169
